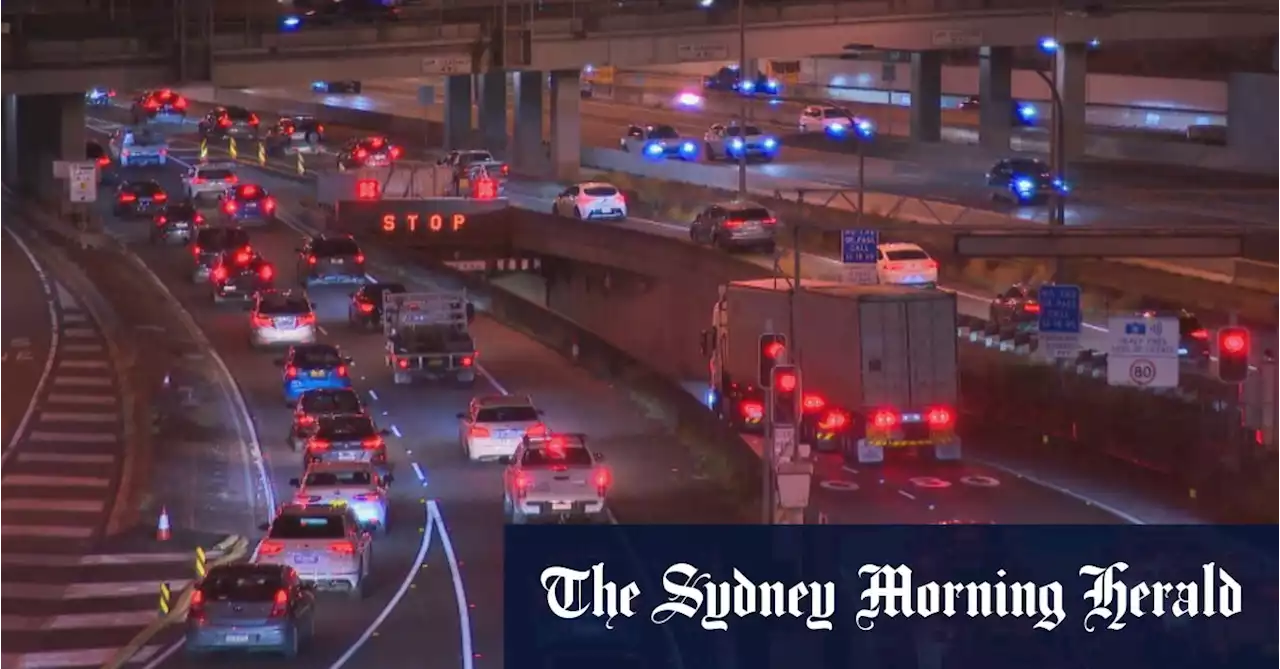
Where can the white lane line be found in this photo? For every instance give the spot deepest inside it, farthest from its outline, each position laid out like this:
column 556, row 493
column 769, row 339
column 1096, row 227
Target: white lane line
column 67, row 458
column 60, row 659
column 459, row 592
column 41, row 480
column 1088, row 501
column 56, row 505
column 396, row 431
column 98, row 559
column 72, row 621
column 322, row 330
column 82, row 364
column 74, row 317
column 906, row 494
column 42, row 532
column 78, row 417
column 75, row 437
column 80, row 333
column 83, row 348
column 418, row 471
column 53, row 346
column 74, row 398
column 90, row 381
column 374, row 394
column 849, row 469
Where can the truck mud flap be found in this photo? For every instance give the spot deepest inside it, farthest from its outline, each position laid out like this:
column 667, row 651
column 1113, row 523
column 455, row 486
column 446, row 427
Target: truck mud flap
column 947, row 451
column 868, row 454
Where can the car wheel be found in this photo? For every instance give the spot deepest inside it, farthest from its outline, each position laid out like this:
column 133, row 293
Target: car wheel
column 577, row 213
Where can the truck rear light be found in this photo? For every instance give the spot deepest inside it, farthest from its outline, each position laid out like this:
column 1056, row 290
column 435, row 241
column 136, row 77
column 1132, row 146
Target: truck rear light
column 270, row 548
column 939, row 417
column 833, row 421
column 539, row 430
column 752, row 410
column 884, row 419
column 402, row 363
column 813, row 402
column 467, row 361
column 478, row 432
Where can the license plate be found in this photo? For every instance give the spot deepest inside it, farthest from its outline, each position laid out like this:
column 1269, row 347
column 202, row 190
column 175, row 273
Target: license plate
column 435, row 363
column 305, row 559
column 337, row 261
column 284, row 322
column 349, row 456
column 144, row 203
column 561, row 506
column 229, row 289
column 510, row 434
column 318, row 373
column 237, row 638
column 180, row 226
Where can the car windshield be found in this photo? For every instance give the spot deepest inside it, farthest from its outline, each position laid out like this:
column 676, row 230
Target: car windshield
column 377, row 290
column 238, row 113
column 299, row 526
column 316, row 358
column 250, row 192
column 215, row 174
column 749, row 214
column 374, row 144
column 283, row 306
column 1031, row 167
column 573, row 456
column 330, row 402
column 1189, row 324
column 906, row 254
column 182, row 212
column 144, row 138
column 836, row 112
column 663, row 132
column 748, row 131
column 339, row 478
column 335, row 247
column 600, row 191
column 212, row 239
column 507, row 415
column 346, row 427
column 475, row 157
column 143, row 187
column 240, row 584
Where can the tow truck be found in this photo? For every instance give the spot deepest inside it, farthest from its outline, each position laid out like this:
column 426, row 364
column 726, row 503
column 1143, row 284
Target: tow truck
column 555, row 477
column 428, row 336
column 879, row 364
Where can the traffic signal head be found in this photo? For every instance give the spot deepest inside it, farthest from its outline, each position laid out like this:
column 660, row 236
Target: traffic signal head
column 773, row 349
column 1233, row 354
column 786, row 395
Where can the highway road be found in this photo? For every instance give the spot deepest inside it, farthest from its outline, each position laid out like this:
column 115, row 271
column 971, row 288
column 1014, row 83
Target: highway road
column 1103, row 192
column 27, row 334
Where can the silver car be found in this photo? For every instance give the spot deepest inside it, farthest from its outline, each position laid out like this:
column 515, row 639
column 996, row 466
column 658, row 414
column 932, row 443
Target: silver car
column 324, row 544
column 354, row 485
column 281, row 317
column 732, row 142
column 736, row 225
column 494, row 426
column 251, row 607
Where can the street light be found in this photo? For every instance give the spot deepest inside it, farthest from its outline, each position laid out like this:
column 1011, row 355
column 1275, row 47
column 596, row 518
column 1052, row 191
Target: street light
column 1057, row 155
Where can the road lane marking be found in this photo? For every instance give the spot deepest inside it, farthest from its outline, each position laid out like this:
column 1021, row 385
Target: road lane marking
column 73, row 398
column 374, row 394
column 78, row 417
column 906, row 494
column 42, row 480
column 94, row 381
column 80, row 333
column 72, row 621
column 417, row 471
column 459, row 592
column 74, row 317
column 41, row 532
column 67, row 458
column 98, row 559
column 83, row 364
column 396, row 431
column 56, row 505
column 83, row 348
column 75, row 437
column 21, row 429
column 58, row 659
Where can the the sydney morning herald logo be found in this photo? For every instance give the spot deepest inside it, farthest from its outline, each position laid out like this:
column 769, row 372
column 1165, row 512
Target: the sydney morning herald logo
column 1109, row 601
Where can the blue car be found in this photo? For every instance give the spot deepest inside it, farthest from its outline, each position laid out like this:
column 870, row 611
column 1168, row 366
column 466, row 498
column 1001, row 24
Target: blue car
column 251, row 607
column 248, row 204
column 313, row 367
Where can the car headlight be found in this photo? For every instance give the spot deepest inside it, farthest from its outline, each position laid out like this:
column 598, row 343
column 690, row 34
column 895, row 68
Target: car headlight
column 836, row 128
column 688, row 148
column 736, row 143
column 653, row 149
column 1062, row 186
column 770, row 143
column 866, row 128
column 747, row 86
column 1024, row 186
column 772, row 85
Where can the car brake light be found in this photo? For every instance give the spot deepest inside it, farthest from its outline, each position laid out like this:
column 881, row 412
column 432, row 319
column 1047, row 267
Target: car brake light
column 1031, row 308
column 311, row 260
column 366, row 308
column 195, row 250
column 506, row 169
column 180, row 103
column 316, row 444
column 269, row 204
column 229, row 207
column 539, row 430
column 813, row 402
column 280, row 607
column 467, row 361
column 731, row 223
column 361, row 154
column 931, row 263
column 359, row 258
column 522, row 483
column 103, row 161
column 479, row 431
column 394, row 152
column 939, row 417
column 161, row 220
column 304, row 419
column 265, row 272
column 249, row 190
column 196, row 607
column 894, row 266
column 220, row 274
column 160, row 197
column 402, row 363
column 752, row 410
column 199, row 218
column 253, row 119
column 307, row 319
column 260, row 321
column 371, row 443
column 151, row 105
column 602, row 478
column 231, row 178
column 270, row 547
column 291, row 372
column 242, row 257
column 128, row 197
column 197, row 180
column 1201, row 334
column 343, row 548
column 224, row 122
column 342, row 371
column 833, row 421
column 884, row 419
column 770, row 221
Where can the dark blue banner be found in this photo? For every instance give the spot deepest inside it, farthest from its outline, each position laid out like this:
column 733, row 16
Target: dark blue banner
column 932, row 597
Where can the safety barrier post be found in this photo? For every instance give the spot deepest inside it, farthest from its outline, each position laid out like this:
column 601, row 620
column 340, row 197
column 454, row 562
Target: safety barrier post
column 302, row 166
column 262, row 153
column 166, row 599
column 201, row 563
column 231, row 148
column 204, row 149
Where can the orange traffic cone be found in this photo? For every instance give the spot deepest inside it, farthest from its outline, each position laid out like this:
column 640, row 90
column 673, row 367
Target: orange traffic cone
column 162, row 528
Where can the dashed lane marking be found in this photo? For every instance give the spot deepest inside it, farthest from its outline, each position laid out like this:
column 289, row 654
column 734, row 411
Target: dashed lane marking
column 75, row 621
column 75, row 437
column 83, row 348
column 90, row 590
column 78, row 417
column 42, row 480
column 56, row 505
column 73, row 398
column 94, row 381
column 42, row 532
column 81, row 333
column 83, row 364
column 100, row 559
column 67, row 458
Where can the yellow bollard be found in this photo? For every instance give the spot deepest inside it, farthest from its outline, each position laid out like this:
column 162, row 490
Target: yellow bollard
column 302, row 166
column 262, row 153
column 166, row 599
column 204, row 149
column 201, row 568
column 231, row 149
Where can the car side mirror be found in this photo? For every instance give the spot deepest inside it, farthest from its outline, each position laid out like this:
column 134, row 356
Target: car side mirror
column 295, row 483
column 384, row 432
column 264, row 527
column 599, row 456
column 462, row 416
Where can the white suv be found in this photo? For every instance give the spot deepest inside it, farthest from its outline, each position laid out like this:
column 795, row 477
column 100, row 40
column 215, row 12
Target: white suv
column 591, row 201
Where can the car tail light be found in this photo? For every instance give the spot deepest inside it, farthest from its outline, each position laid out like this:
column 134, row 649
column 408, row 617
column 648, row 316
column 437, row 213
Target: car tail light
column 199, row 219
column 317, row 444
column 307, row 319
column 894, row 266
column 770, row 221
column 266, row 273
column 103, row 161
column 180, row 103
column 342, row 371
column 260, row 321
column 371, row 443
column 161, row 220
column 539, row 430
column 931, row 263
column 290, row 372
column 160, row 197
column 269, row 204
column 602, row 478
column 231, row 178
column 249, row 190
column 752, row 410
column 394, row 152
column 813, row 402
column 343, row 548
column 506, row 169
column 467, row 361
column 198, row 180
column 884, row 419
column 731, row 224
column 253, row 119
column 366, row 308
column 220, row 274
column 522, row 483
column 1031, row 307
column 939, row 417
column 128, row 197
column 151, row 105
column 242, row 257
column 402, row 363
column 196, row 608
column 1201, row 334
column 361, row 154
column 833, row 421
column 224, row 122
column 270, row 547
column 305, row 419
column 229, row 206
column 479, row 432
column 311, row 260
column 111, row 93
column 195, row 250
column 280, row 607
column 359, row 258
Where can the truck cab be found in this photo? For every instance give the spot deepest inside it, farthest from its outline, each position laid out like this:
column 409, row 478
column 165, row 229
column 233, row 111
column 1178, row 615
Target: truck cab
column 428, row 337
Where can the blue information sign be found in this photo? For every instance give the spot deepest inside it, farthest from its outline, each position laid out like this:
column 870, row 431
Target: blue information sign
column 1060, row 309
column 858, row 247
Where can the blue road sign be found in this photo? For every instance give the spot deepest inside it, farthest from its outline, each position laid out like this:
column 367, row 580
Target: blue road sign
column 858, row 247
column 1060, row 309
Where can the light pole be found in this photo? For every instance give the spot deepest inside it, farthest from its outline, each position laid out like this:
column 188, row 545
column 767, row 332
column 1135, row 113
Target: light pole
column 1057, row 152
column 742, row 98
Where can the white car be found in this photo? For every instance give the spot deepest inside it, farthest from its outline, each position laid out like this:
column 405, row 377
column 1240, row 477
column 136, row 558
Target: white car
column 354, row 485
column 556, row 478
column 138, row 147
column 836, row 121
column 591, row 201
column 205, row 180
column 658, row 141
column 281, row 317
column 494, row 426
column 906, row 265
column 731, row 142
column 324, row 544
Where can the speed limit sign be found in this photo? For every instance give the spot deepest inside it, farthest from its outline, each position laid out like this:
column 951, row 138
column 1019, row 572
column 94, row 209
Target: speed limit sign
column 1142, row 372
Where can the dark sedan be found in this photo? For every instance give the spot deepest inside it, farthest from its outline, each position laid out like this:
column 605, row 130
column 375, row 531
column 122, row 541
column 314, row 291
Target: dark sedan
column 1017, row 308
column 177, row 222
column 365, row 310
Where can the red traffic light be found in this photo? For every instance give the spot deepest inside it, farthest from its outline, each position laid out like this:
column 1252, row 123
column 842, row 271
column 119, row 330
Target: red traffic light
column 1233, row 341
column 774, row 349
column 786, row 382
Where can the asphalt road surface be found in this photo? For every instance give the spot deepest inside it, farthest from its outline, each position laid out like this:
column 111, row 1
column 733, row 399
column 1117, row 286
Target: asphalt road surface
column 27, row 333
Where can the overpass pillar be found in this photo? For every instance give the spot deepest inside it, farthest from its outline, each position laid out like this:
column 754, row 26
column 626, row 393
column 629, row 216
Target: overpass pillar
column 457, row 111
column 926, row 96
column 493, row 111
column 1070, row 71
column 566, row 124
column 995, row 89
column 40, row 129
column 527, row 151
column 10, row 141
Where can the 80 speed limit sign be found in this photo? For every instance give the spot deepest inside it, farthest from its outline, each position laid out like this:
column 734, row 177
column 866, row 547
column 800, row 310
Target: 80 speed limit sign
column 1142, row 372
